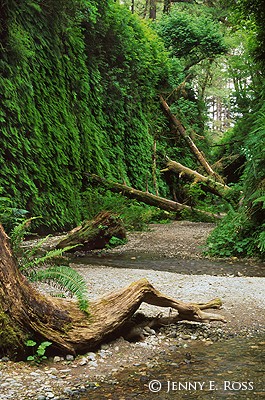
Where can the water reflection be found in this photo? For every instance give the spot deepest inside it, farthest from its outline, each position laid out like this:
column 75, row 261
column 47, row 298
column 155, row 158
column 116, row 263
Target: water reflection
column 232, row 368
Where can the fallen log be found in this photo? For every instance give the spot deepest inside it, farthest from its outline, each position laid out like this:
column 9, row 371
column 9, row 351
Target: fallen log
column 95, row 234
column 182, row 131
column 26, row 314
column 149, row 198
column 213, row 186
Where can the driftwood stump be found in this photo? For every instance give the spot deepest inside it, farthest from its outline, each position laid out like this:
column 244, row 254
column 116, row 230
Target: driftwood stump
column 95, row 234
column 27, row 314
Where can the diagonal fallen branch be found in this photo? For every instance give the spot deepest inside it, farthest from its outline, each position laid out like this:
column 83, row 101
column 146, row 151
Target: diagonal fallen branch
column 194, row 149
column 213, row 186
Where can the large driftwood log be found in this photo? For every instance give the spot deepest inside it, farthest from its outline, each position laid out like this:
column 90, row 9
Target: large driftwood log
column 148, row 198
column 25, row 313
column 182, row 131
column 95, row 234
column 213, row 186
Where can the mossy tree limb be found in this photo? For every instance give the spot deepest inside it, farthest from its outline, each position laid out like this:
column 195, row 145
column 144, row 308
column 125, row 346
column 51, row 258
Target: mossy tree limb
column 32, row 315
column 148, row 198
column 95, row 234
column 211, row 185
column 194, row 149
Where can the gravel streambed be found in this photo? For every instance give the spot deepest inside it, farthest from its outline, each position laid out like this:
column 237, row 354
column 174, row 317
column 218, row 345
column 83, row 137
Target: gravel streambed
column 66, row 378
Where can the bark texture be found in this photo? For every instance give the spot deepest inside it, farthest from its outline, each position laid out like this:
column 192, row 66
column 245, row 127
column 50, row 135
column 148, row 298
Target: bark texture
column 149, row 198
column 182, row 132
column 25, row 313
column 95, row 234
column 213, row 186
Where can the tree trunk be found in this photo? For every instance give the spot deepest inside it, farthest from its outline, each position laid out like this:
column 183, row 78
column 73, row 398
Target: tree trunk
column 25, row 313
column 181, row 130
column 95, row 234
column 149, row 198
column 152, row 10
column 214, row 187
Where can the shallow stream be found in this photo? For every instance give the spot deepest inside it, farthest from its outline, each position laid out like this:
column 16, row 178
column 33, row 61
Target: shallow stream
column 141, row 260
column 233, row 368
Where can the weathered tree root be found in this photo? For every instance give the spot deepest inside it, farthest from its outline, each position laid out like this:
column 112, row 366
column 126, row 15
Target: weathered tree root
column 25, row 313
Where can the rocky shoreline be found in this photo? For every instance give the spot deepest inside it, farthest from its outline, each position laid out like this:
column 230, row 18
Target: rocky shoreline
column 63, row 378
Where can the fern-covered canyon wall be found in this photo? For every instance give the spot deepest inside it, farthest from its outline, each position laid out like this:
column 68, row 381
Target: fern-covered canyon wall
column 77, row 95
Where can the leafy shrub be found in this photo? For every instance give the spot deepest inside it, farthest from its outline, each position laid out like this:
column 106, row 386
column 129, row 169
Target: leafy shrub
column 242, row 231
column 135, row 215
column 39, row 355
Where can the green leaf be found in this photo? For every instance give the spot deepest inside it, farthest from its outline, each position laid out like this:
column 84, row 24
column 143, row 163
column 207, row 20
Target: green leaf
column 67, row 278
column 30, row 343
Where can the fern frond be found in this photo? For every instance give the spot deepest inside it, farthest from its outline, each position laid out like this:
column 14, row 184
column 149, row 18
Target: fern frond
column 18, row 233
column 261, row 242
column 33, row 251
column 47, row 257
column 67, row 278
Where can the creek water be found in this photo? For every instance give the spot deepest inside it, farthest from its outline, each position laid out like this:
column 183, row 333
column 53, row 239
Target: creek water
column 141, row 260
column 232, row 368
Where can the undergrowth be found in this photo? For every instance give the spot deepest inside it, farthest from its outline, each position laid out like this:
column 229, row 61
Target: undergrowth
column 40, row 266
column 135, row 215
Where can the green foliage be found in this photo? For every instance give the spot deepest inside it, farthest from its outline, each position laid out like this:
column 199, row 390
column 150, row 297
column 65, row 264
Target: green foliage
column 66, row 278
column 229, row 239
column 251, row 12
column 39, row 355
column 29, row 262
column 10, row 216
column 115, row 241
column 242, row 231
column 191, row 34
column 78, row 86
column 18, row 234
column 135, row 215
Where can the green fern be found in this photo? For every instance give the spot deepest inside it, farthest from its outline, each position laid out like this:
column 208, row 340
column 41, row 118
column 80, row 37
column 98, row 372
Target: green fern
column 66, row 278
column 49, row 256
column 18, row 233
column 34, row 250
column 29, row 263
column 261, row 241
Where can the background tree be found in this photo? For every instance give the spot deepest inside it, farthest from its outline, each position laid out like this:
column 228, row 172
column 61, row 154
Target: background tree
column 243, row 231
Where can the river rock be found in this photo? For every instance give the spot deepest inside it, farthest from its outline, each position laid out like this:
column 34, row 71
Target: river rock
column 91, row 356
column 83, row 362
column 69, row 357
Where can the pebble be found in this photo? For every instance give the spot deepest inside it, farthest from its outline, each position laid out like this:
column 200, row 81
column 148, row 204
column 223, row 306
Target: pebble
column 93, row 364
column 33, row 373
column 185, row 337
column 69, row 357
column 56, row 359
column 91, row 356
